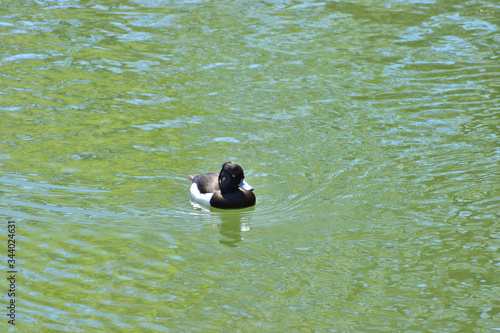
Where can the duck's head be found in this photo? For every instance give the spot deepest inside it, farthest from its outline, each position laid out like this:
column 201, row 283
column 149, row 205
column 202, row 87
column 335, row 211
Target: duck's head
column 231, row 177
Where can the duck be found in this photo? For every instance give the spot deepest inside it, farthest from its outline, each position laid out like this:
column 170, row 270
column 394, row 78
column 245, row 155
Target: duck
column 227, row 189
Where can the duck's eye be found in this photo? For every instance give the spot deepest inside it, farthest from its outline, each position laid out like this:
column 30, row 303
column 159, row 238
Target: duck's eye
column 233, row 176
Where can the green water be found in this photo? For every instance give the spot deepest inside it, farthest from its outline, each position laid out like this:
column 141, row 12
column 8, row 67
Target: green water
column 369, row 129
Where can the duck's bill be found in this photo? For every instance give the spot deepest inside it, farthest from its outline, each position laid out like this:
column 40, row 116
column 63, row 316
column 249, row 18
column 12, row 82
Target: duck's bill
column 244, row 185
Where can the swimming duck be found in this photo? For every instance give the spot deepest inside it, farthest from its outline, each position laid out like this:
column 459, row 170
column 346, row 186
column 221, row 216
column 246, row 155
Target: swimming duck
column 226, row 189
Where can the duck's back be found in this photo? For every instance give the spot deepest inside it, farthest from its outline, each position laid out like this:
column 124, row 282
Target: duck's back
column 207, row 183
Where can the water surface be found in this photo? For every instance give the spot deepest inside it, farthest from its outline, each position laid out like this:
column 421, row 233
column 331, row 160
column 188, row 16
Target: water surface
column 369, row 129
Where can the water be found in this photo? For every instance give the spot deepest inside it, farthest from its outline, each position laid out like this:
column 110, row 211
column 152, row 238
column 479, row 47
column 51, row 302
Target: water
column 370, row 131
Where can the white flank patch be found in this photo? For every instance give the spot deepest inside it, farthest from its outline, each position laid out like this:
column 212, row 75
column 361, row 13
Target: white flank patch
column 203, row 198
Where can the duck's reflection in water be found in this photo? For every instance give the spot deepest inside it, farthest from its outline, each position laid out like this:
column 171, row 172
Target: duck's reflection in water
column 232, row 226
column 231, row 223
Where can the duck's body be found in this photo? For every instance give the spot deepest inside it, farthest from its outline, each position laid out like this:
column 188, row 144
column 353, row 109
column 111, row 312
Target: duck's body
column 227, row 189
